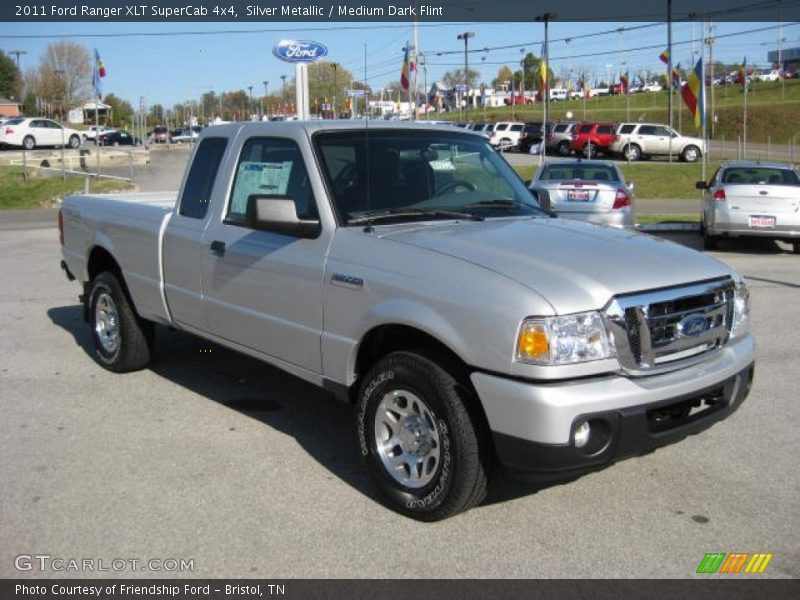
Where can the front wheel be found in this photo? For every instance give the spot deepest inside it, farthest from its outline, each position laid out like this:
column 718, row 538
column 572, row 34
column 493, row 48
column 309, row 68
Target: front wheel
column 29, row 143
column 796, row 246
column 690, row 154
column 632, row 152
column 122, row 341
column 74, row 141
column 420, row 439
column 564, row 149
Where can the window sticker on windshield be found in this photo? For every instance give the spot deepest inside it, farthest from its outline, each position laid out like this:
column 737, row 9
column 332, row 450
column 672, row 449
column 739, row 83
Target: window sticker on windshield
column 442, row 165
column 266, row 179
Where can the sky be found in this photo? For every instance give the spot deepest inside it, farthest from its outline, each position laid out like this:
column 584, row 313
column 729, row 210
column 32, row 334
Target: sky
column 176, row 62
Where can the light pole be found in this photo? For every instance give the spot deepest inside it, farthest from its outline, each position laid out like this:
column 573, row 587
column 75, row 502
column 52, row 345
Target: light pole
column 266, row 85
column 283, row 108
column 466, row 37
column 545, row 18
column 250, row 104
column 17, row 53
column 522, row 82
column 335, row 91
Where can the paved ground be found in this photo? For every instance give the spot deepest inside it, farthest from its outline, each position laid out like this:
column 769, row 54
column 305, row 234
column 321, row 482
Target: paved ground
column 212, row 456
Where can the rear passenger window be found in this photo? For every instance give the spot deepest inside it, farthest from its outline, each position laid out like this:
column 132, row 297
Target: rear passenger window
column 626, row 128
column 271, row 167
column 202, row 174
column 647, row 130
column 605, row 129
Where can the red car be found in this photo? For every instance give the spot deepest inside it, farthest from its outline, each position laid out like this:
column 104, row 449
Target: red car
column 517, row 100
column 589, row 138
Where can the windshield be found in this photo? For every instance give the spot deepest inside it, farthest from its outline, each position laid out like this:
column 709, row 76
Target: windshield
column 413, row 175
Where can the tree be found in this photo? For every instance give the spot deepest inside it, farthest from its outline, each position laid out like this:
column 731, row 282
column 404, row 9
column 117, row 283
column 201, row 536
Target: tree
column 503, row 75
column 29, row 107
column 10, row 77
column 121, row 111
column 453, row 78
column 65, row 74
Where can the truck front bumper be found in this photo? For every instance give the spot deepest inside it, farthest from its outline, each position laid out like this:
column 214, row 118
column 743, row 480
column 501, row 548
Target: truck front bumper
column 534, row 425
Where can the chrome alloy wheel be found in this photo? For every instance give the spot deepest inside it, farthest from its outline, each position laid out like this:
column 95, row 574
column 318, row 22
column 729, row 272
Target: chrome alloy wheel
column 106, row 322
column 407, row 438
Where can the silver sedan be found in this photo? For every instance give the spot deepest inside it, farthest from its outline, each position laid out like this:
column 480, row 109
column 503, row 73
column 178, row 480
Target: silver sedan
column 751, row 199
column 593, row 191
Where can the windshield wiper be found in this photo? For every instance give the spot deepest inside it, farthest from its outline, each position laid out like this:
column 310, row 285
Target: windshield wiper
column 499, row 203
column 395, row 214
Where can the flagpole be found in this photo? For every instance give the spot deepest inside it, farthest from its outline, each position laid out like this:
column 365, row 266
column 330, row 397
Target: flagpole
column 704, row 162
column 669, row 71
column 744, row 124
column 416, row 66
column 96, row 110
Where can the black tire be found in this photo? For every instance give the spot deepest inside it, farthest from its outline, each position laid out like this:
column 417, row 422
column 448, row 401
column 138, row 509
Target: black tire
column 690, row 154
column 74, row 141
column 589, row 150
column 445, row 411
column 135, row 336
column 796, row 246
column 28, row 142
column 709, row 241
column 563, row 148
column 632, row 152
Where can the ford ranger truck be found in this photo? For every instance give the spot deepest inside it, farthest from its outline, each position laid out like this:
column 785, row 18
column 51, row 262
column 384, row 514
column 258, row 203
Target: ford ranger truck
column 408, row 270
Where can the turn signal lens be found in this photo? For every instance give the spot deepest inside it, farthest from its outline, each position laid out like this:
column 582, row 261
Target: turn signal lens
column 533, row 343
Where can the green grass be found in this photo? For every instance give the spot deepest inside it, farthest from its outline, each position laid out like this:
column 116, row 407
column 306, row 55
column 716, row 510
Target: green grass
column 772, row 111
column 40, row 191
column 655, row 180
column 677, row 218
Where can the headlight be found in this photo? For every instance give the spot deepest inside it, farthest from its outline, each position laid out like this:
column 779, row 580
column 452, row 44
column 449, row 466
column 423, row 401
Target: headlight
column 563, row 340
column 741, row 310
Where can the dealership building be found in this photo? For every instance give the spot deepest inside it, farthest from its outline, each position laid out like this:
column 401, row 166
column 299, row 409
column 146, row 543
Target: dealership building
column 790, row 57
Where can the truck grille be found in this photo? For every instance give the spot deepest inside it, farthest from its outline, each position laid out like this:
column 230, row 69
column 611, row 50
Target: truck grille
column 666, row 329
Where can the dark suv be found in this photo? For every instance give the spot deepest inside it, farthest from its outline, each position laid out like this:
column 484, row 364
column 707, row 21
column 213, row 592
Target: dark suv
column 589, row 138
column 531, row 134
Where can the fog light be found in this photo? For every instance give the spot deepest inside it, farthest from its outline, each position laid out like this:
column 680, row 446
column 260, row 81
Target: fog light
column 582, row 434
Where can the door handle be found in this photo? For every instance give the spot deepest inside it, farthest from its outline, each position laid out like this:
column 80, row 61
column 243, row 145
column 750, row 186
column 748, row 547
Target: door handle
column 217, row 248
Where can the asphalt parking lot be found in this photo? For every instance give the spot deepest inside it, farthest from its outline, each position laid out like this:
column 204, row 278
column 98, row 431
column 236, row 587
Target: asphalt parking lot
column 213, row 457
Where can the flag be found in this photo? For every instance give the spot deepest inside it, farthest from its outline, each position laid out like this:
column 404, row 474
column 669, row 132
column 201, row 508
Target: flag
column 693, row 94
column 664, row 56
column 623, row 79
column 543, row 71
column 99, row 73
column 404, row 70
column 676, row 77
column 587, row 91
column 743, row 74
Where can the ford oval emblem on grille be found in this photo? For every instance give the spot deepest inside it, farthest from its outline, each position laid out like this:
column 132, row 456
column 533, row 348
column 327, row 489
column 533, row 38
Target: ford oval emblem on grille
column 692, row 325
column 295, row 51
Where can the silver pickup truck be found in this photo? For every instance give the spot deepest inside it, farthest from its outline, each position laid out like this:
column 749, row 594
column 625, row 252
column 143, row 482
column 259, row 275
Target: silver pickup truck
column 408, row 270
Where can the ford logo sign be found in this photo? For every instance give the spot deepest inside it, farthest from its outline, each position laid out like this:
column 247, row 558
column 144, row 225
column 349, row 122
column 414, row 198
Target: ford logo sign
column 302, row 51
column 692, row 325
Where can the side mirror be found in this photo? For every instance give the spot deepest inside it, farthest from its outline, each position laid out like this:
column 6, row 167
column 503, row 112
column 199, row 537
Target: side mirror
column 701, row 185
column 278, row 214
column 527, row 183
column 544, row 201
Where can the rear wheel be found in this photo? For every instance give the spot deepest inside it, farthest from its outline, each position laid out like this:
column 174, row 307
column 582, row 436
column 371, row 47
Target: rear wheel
column 590, row 150
column 74, row 141
column 29, row 143
column 122, row 340
column 796, row 246
column 425, row 448
column 709, row 241
column 563, row 148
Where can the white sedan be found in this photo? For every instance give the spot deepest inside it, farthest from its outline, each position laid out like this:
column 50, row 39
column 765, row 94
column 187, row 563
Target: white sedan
column 751, row 199
column 30, row 133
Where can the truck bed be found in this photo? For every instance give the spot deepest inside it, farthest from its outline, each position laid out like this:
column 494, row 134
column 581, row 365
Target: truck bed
column 127, row 226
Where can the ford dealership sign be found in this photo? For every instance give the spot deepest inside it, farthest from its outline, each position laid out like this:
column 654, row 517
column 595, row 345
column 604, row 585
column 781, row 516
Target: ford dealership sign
column 299, row 51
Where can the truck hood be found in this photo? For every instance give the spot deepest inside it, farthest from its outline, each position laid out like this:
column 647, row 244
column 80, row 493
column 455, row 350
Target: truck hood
column 575, row 266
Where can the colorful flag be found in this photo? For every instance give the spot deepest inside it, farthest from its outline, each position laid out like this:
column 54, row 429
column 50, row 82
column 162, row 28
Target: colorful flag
column 543, row 71
column 743, row 74
column 404, row 71
column 664, row 56
column 693, row 94
column 99, row 73
column 676, row 77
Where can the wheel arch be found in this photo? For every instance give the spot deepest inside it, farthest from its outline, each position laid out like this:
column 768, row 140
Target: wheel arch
column 99, row 260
